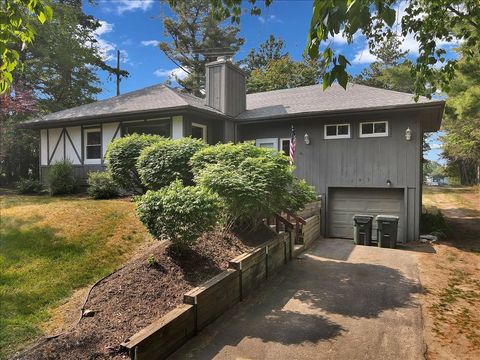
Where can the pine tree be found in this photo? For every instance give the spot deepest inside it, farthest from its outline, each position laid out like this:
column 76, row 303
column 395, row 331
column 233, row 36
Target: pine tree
column 272, row 49
column 196, row 38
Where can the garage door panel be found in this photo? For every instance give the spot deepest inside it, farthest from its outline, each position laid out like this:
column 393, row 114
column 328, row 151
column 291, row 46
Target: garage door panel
column 346, row 202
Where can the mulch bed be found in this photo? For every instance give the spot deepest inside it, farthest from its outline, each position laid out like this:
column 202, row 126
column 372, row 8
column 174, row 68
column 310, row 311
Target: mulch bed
column 141, row 292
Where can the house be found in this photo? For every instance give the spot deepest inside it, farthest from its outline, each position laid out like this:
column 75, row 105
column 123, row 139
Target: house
column 361, row 148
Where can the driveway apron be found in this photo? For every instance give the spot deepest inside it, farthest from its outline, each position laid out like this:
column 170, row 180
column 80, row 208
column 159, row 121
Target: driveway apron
column 335, row 301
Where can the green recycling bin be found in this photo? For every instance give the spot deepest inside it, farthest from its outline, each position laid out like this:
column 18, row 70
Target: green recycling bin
column 362, row 229
column 387, row 229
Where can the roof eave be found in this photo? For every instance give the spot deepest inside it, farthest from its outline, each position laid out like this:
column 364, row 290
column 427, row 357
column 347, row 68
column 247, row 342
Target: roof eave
column 125, row 116
column 432, row 104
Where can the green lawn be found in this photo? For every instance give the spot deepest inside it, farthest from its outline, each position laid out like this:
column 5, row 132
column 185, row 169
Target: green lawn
column 51, row 246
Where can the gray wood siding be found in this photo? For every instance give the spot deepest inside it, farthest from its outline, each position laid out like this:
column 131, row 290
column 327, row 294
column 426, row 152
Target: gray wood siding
column 355, row 162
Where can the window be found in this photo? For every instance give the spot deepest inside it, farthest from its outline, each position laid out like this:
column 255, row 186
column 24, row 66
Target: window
column 199, row 131
column 93, row 145
column 285, row 146
column 374, row 128
column 271, row 143
column 337, row 131
column 161, row 129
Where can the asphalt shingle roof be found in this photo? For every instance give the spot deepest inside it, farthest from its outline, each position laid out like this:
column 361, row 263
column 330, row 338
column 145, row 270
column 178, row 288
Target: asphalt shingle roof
column 271, row 104
column 155, row 97
column 312, row 99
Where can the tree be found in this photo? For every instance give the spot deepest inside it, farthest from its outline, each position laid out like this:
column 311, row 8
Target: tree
column 18, row 148
column 196, row 39
column 462, row 122
column 16, row 32
column 272, row 49
column 59, row 71
column 284, row 73
column 430, row 22
column 391, row 70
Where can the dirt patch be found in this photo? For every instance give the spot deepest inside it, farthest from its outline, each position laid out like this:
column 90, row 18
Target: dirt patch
column 141, row 292
column 451, row 278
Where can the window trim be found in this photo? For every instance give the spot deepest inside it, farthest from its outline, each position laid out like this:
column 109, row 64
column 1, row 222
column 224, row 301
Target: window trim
column 85, row 145
column 148, row 123
column 280, row 147
column 347, row 136
column 383, row 134
column 204, row 129
column 267, row 141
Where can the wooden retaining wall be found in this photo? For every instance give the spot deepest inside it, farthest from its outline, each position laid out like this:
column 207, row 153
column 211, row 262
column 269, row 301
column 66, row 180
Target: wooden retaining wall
column 311, row 209
column 205, row 303
column 311, row 230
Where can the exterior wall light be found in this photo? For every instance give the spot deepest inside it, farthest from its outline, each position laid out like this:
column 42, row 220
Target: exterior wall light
column 389, row 183
column 306, row 138
column 408, row 134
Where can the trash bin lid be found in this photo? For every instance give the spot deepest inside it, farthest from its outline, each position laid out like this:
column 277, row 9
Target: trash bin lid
column 360, row 216
column 390, row 218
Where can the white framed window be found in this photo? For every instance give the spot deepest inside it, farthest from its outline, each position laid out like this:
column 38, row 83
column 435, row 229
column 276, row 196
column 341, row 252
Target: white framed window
column 271, row 143
column 285, row 146
column 337, row 131
column 374, row 129
column 199, row 131
column 92, row 145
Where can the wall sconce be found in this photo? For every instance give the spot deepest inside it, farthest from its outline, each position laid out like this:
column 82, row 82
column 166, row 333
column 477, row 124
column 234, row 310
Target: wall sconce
column 389, row 183
column 408, row 134
column 306, row 138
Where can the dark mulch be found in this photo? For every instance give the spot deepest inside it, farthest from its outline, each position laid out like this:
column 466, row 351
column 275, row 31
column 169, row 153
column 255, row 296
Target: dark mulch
column 142, row 292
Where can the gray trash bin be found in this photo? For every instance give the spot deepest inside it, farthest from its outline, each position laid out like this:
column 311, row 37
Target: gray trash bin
column 387, row 229
column 362, row 229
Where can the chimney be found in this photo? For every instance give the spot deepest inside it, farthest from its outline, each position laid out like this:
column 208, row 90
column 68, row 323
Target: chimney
column 225, row 87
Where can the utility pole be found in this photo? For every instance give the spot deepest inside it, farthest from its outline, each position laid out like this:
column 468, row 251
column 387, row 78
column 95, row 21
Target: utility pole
column 118, row 72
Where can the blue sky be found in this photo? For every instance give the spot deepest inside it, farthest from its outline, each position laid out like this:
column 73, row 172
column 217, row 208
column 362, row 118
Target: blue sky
column 135, row 26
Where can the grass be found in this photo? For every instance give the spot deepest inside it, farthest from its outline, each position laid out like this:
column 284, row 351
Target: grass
column 51, row 246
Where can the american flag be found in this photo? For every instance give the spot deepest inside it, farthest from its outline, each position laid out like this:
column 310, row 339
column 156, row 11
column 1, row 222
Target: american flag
column 293, row 144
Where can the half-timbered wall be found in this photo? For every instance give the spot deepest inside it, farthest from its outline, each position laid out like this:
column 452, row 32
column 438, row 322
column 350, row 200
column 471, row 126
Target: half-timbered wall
column 67, row 143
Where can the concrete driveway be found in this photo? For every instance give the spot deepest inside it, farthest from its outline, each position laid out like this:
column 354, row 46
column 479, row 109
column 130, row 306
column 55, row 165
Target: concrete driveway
column 336, row 301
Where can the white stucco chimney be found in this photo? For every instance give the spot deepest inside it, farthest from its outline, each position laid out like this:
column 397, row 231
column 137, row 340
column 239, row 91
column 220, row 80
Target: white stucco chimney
column 225, row 87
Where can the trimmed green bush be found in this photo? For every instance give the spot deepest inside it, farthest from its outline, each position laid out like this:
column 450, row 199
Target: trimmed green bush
column 61, row 179
column 253, row 182
column 101, row 185
column 230, row 154
column 121, row 158
column 179, row 213
column 163, row 162
column 29, row 186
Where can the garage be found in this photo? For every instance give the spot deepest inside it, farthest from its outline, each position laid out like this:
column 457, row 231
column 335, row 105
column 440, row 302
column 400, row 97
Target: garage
column 343, row 203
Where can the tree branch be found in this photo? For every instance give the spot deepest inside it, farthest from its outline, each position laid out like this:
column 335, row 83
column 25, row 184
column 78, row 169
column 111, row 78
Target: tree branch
column 462, row 15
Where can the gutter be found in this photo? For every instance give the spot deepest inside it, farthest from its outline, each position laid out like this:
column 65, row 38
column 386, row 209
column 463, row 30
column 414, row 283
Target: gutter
column 125, row 116
column 328, row 113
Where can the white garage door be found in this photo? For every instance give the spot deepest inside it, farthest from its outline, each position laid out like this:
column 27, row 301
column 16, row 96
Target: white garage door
column 343, row 203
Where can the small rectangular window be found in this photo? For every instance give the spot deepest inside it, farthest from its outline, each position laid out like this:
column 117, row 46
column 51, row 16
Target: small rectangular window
column 285, row 146
column 93, row 144
column 199, row 131
column 337, row 131
column 374, row 129
column 271, row 143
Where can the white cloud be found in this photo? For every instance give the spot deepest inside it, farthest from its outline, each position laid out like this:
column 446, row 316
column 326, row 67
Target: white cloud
column 150, row 42
column 132, row 5
column 105, row 47
column 104, row 28
column 171, row 74
column 269, row 18
column 364, row 57
column 434, row 146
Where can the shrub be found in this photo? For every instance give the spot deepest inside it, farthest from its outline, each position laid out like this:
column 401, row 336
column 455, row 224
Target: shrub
column 230, row 154
column 121, row 157
column 29, row 186
column 101, row 185
column 61, row 179
column 432, row 222
column 253, row 187
column 161, row 163
column 179, row 213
